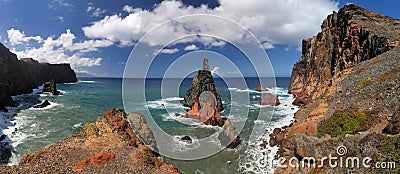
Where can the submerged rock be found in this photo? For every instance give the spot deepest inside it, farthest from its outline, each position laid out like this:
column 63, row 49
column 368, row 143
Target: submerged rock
column 187, row 139
column 43, row 105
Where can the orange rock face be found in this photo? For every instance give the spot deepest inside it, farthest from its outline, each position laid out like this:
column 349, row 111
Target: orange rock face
column 261, row 88
column 195, row 107
column 270, row 99
column 100, row 158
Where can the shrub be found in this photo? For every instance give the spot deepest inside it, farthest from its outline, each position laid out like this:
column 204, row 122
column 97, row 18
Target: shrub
column 344, row 122
column 367, row 81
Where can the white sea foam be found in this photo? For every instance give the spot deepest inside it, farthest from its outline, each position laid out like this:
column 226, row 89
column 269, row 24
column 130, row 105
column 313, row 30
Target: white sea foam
column 173, row 99
column 172, row 102
column 254, row 160
column 79, row 125
column 179, row 145
column 87, row 81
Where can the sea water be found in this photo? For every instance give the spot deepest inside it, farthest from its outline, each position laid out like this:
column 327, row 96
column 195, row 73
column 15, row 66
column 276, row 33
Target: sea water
column 30, row 129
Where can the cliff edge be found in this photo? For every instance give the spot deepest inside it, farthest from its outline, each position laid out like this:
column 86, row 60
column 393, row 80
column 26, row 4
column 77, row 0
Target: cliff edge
column 347, row 83
column 21, row 76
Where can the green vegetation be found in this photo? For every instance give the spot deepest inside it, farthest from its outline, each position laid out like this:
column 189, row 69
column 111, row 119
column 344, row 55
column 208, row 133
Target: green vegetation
column 344, row 122
column 389, row 147
column 367, row 81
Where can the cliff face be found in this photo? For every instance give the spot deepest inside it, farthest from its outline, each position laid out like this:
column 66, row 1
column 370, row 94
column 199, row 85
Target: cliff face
column 351, row 36
column 348, row 84
column 111, row 144
column 21, row 76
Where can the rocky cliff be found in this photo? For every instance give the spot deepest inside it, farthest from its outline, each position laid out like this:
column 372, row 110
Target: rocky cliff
column 347, row 82
column 21, row 76
column 203, row 81
column 112, row 144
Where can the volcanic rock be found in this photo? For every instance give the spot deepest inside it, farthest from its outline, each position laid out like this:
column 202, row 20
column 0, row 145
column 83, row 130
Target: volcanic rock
column 43, row 105
column 270, row 99
column 108, row 145
column 138, row 123
column 203, row 81
column 229, row 137
column 187, row 139
column 261, row 88
column 21, row 76
column 51, row 87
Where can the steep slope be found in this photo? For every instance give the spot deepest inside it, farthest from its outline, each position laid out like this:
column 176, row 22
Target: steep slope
column 347, row 81
column 21, row 76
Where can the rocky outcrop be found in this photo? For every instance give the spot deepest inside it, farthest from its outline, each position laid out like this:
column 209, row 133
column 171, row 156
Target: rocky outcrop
column 51, row 87
column 348, row 37
column 21, row 76
column 229, row 137
column 203, row 81
column 43, row 105
column 109, row 145
column 261, row 88
column 349, row 70
column 203, row 98
column 270, row 99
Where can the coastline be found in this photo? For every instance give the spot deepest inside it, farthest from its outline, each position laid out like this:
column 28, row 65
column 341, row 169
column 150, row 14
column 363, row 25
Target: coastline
column 353, row 84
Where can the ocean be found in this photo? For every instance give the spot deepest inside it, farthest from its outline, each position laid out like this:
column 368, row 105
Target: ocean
column 29, row 129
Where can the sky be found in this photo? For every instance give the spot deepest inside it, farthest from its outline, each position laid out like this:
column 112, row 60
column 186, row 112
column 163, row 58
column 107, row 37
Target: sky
column 170, row 38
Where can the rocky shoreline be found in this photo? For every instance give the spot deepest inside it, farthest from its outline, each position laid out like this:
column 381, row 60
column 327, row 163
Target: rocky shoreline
column 347, row 84
column 115, row 143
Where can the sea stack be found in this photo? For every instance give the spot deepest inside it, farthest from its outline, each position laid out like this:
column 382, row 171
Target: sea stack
column 203, row 98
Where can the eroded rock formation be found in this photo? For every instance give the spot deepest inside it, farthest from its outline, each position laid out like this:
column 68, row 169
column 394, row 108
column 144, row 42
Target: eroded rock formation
column 51, row 87
column 203, row 98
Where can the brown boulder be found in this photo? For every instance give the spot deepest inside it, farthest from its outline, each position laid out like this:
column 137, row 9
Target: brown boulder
column 229, row 137
column 100, row 158
column 261, row 88
column 301, row 99
column 270, row 99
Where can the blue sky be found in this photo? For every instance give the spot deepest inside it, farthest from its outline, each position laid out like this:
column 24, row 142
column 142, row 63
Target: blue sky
column 97, row 37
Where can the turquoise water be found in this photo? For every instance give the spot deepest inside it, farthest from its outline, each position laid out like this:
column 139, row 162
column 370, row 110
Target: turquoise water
column 85, row 100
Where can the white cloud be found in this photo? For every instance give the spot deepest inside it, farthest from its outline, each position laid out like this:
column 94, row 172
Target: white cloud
column 272, row 22
column 267, row 45
column 17, row 37
column 128, row 9
column 215, row 70
column 218, row 43
column 96, row 12
column 60, row 3
column 169, row 51
column 191, row 47
column 58, row 50
column 60, row 18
